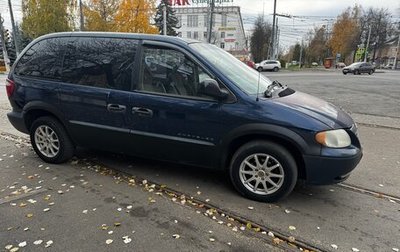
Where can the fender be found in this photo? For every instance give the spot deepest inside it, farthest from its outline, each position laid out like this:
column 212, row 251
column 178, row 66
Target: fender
column 274, row 131
column 40, row 105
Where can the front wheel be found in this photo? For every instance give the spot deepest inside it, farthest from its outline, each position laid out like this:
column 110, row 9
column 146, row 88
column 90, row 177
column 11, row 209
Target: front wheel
column 371, row 72
column 263, row 171
column 50, row 140
column 276, row 69
column 260, row 69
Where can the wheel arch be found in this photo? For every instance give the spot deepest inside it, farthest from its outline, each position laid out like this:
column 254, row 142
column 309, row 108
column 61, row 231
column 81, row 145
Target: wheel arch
column 36, row 109
column 288, row 139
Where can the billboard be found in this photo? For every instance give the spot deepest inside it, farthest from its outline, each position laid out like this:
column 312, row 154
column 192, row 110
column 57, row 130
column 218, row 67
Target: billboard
column 197, row 2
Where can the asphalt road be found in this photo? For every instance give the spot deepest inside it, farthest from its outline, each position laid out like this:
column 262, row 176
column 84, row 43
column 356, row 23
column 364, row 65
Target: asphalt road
column 327, row 217
column 377, row 94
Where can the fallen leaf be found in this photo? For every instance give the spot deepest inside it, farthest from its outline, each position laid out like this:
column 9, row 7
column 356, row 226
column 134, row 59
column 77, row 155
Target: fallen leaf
column 292, row 228
column 291, row 239
column 271, row 234
column 32, row 201
column 109, row 241
column 248, row 225
column 127, row 239
column 60, row 192
column 85, row 211
column 22, row 204
column 129, row 207
column 46, row 209
column 22, row 244
column 8, row 247
column 38, row 242
column 229, row 244
column 29, row 215
column 48, row 243
column 287, row 211
column 276, row 241
column 15, row 249
column 176, row 236
column 334, row 246
column 212, row 240
column 26, row 229
column 395, row 249
column 355, row 249
column 250, row 207
column 117, row 224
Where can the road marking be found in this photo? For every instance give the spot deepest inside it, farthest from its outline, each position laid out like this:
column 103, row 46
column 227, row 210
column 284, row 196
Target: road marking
column 22, row 196
column 362, row 190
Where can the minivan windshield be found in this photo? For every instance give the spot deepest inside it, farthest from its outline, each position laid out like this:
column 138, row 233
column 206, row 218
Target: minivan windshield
column 239, row 73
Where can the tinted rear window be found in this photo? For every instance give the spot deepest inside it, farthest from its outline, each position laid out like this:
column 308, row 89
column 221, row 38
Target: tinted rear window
column 100, row 62
column 42, row 60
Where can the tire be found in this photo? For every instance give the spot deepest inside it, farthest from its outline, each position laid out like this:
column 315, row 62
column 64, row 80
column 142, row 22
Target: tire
column 250, row 181
column 260, row 69
column 50, row 140
column 344, row 73
column 356, row 72
column 371, row 72
column 276, row 69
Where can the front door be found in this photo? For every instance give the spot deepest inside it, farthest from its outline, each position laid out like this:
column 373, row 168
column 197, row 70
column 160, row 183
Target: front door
column 171, row 121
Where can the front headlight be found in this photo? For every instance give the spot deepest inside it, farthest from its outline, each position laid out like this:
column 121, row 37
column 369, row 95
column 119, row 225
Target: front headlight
column 333, row 138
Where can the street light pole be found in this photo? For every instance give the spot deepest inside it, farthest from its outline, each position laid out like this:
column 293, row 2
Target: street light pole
column 14, row 33
column 273, row 33
column 165, row 19
column 210, row 24
column 366, row 47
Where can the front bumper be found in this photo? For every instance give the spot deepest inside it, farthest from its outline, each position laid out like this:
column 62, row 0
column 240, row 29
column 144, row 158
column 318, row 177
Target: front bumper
column 333, row 167
column 347, row 70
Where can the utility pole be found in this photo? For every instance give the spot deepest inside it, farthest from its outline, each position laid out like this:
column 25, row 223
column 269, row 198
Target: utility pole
column 366, row 47
column 82, row 20
column 14, row 33
column 273, row 32
column 3, row 43
column 211, row 20
column 397, row 53
column 275, row 52
column 301, row 54
column 164, row 10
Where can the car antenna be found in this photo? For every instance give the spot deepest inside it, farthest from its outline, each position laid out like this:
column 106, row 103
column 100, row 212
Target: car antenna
column 258, row 84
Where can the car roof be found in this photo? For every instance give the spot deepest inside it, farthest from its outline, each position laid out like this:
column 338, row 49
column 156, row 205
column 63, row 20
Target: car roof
column 160, row 38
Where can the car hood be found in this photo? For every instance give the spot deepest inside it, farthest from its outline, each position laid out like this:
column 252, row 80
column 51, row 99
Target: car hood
column 318, row 109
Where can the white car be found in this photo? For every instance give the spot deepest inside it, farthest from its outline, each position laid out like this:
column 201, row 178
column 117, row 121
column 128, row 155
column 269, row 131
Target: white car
column 273, row 65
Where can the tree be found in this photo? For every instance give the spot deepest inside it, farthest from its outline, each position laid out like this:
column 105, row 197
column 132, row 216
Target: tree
column 317, row 49
column 172, row 20
column 100, row 14
column 260, row 39
column 45, row 16
column 134, row 16
column 345, row 33
column 381, row 28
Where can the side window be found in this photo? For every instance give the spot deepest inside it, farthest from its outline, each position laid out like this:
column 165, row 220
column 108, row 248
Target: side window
column 100, row 62
column 168, row 71
column 42, row 60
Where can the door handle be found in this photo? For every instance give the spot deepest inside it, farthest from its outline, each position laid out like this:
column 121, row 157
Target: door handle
column 116, row 108
column 144, row 112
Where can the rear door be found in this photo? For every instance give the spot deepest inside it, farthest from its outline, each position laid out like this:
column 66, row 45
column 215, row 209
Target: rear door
column 94, row 93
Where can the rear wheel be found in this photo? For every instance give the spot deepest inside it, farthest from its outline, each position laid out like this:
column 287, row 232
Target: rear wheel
column 263, row 171
column 371, row 72
column 260, row 69
column 50, row 140
column 276, row 69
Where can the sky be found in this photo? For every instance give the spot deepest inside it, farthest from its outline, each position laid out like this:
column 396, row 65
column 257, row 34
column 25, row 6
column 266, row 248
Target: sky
column 310, row 13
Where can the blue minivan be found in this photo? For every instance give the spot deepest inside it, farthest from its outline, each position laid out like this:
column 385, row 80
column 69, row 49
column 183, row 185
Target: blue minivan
column 177, row 100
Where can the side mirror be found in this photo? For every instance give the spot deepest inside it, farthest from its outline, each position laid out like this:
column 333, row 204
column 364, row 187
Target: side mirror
column 211, row 88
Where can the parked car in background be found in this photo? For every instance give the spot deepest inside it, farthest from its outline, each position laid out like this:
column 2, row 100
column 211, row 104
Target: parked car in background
column 272, row 65
column 388, row 66
column 250, row 63
column 359, row 68
column 181, row 101
column 314, row 64
column 340, row 65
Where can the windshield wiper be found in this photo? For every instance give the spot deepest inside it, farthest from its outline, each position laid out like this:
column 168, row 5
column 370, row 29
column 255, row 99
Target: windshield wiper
column 271, row 88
